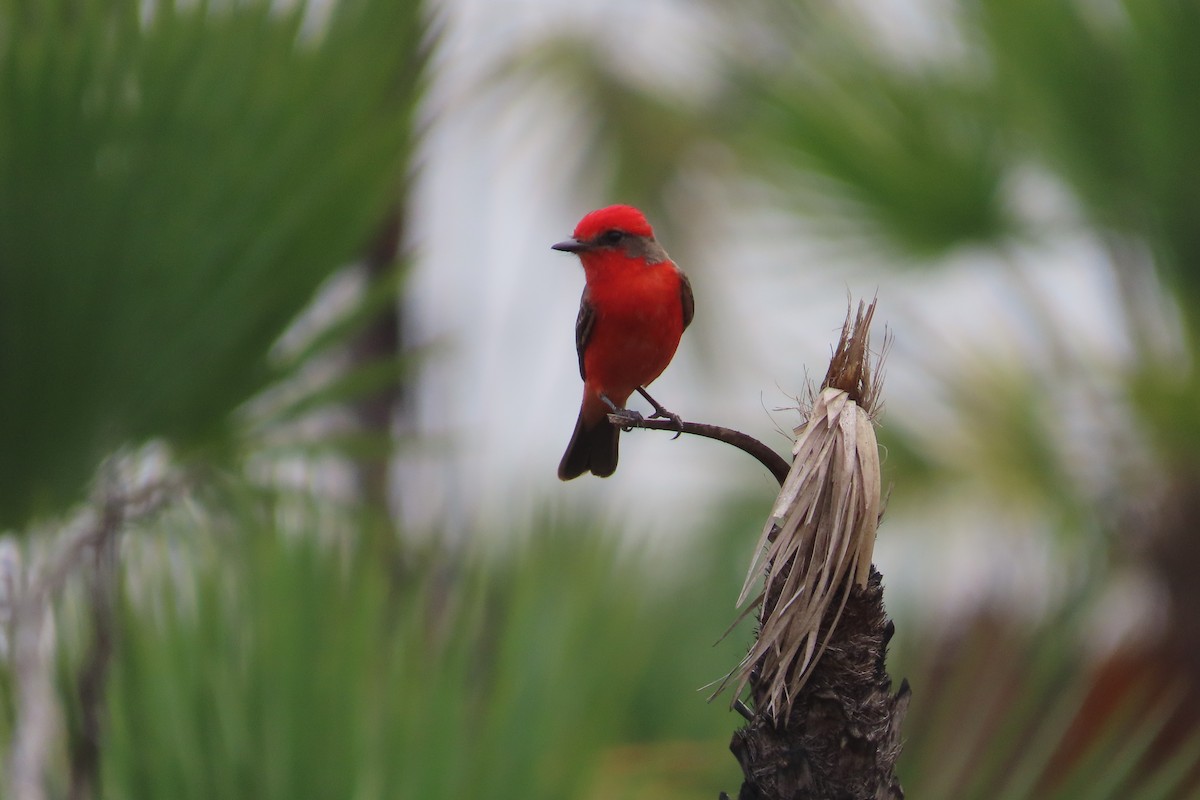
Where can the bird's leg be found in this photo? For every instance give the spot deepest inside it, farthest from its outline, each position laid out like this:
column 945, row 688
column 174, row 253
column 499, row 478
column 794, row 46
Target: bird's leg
column 627, row 413
column 659, row 411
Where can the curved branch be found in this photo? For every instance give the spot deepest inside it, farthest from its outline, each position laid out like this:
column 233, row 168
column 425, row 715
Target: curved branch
column 744, row 442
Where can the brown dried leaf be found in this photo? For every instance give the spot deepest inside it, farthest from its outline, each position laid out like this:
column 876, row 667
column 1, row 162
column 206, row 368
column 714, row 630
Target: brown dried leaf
column 818, row 542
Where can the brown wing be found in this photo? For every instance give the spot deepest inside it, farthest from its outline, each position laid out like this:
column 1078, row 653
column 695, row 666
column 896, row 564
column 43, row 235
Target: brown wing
column 583, row 327
column 689, row 302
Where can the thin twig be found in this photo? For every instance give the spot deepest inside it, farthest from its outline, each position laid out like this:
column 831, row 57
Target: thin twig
column 742, row 441
column 37, row 714
column 101, row 581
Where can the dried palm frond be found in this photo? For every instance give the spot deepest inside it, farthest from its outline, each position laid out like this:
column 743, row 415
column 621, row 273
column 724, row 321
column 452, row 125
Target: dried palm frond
column 817, row 544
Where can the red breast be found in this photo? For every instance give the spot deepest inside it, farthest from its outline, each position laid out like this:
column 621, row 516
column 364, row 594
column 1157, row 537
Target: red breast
column 639, row 321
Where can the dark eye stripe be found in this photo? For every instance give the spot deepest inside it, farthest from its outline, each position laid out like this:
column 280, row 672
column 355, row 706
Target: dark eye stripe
column 610, row 237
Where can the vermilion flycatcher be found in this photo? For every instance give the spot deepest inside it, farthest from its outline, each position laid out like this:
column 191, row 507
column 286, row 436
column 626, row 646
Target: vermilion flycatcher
column 635, row 306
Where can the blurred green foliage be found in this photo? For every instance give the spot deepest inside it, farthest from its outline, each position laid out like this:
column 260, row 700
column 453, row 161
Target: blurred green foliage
column 290, row 668
column 176, row 179
column 259, row 661
column 1104, row 98
column 915, row 155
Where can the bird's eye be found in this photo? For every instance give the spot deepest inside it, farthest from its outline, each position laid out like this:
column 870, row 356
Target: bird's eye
column 611, row 237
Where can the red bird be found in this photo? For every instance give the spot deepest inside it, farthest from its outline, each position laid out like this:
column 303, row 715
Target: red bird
column 635, row 306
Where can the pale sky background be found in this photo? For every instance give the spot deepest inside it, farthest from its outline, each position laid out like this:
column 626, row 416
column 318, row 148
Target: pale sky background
column 494, row 193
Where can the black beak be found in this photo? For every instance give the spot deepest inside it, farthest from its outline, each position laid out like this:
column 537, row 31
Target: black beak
column 570, row 246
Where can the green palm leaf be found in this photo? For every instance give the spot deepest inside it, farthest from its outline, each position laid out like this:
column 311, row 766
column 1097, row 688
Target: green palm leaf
column 175, row 182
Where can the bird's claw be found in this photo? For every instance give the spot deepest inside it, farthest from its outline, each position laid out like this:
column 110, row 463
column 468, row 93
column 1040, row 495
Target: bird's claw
column 662, row 413
column 676, row 420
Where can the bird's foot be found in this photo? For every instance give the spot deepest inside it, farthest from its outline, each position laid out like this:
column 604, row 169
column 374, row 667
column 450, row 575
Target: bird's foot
column 627, row 418
column 676, row 420
column 662, row 413
column 626, row 415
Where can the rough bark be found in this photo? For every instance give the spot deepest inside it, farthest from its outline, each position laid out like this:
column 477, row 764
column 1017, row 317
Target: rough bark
column 842, row 737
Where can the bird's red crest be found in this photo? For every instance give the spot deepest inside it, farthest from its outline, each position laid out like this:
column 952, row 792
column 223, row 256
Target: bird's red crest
column 622, row 218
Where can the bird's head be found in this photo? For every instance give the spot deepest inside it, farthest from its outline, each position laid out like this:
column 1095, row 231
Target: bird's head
column 615, row 230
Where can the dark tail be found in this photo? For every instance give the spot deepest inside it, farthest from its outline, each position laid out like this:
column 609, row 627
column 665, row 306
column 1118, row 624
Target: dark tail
column 593, row 449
